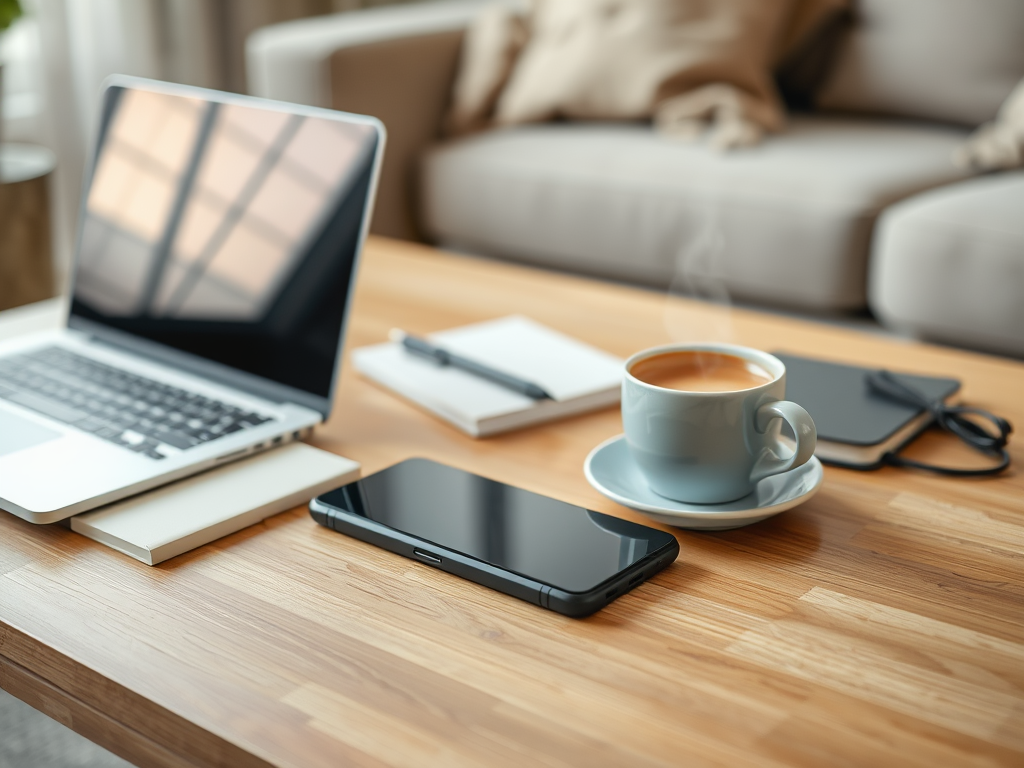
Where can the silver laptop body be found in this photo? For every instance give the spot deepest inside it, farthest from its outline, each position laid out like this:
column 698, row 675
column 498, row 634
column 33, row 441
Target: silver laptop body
column 215, row 260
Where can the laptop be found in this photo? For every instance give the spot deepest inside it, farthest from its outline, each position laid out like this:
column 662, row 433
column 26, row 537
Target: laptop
column 216, row 254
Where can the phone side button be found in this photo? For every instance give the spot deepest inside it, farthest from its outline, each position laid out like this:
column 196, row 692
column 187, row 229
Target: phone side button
column 427, row 557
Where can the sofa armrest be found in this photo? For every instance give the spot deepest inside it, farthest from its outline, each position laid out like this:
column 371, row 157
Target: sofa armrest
column 290, row 61
column 396, row 63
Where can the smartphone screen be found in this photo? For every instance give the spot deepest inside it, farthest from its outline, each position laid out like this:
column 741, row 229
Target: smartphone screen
column 558, row 544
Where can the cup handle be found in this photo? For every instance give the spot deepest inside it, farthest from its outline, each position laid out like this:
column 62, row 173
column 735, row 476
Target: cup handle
column 803, row 428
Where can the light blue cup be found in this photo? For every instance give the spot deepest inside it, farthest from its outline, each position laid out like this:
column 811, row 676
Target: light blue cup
column 712, row 447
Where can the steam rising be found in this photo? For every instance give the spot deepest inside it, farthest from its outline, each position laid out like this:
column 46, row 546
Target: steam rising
column 697, row 277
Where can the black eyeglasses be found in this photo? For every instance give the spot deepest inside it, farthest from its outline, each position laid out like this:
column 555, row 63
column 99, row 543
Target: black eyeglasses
column 962, row 421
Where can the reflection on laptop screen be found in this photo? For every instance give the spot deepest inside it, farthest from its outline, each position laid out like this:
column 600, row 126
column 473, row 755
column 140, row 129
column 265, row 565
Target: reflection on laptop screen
column 226, row 231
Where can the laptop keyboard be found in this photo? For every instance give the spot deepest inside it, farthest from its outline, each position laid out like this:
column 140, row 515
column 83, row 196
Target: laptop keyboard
column 145, row 416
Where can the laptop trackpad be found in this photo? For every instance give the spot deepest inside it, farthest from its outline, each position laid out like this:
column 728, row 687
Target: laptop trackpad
column 17, row 433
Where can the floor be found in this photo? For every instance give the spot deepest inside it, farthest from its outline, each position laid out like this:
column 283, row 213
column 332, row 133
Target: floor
column 30, row 739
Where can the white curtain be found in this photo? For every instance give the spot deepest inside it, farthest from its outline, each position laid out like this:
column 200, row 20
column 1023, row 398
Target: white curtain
column 66, row 50
column 61, row 52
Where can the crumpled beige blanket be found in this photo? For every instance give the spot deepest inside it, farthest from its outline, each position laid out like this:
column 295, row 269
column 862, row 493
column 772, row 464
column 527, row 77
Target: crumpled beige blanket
column 998, row 145
column 688, row 64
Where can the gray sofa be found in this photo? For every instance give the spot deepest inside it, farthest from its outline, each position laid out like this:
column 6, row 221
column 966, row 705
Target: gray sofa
column 949, row 264
column 842, row 210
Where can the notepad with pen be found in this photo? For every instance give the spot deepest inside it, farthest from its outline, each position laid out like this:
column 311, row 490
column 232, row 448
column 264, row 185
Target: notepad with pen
column 577, row 376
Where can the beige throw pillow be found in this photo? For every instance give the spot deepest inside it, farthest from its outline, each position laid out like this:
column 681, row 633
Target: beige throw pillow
column 807, row 18
column 998, row 145
column 489, row 51
column 684, row 62
column 496, row 37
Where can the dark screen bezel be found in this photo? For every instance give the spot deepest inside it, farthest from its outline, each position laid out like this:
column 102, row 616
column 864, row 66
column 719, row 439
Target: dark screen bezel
column 252, row 383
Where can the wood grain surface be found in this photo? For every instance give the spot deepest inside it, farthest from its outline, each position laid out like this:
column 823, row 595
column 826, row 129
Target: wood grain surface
column 880, row 623
column 26, row 261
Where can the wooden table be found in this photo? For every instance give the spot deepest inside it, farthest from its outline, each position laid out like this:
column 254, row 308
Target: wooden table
column 881, row 623
column 26, row 259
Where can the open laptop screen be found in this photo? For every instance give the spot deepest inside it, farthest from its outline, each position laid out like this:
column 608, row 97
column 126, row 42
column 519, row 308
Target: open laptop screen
column 225, row 229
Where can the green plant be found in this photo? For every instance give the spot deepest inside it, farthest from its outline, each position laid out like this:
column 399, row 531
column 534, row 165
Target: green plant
column 9, row 11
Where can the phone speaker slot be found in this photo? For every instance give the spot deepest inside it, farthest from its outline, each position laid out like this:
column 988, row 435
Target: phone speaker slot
column 639, row 577
column 427, row 557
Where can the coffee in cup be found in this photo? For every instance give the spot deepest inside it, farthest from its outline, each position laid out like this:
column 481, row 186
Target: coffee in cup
column 703, row 421
column 691, row 370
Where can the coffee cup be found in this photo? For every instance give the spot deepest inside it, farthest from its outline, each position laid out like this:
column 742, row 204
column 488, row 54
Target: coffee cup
column 703, row 421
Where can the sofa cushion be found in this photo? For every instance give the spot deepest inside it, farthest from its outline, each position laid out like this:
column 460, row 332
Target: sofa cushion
column 794, row 215
column 954, row 60
column 949, row 265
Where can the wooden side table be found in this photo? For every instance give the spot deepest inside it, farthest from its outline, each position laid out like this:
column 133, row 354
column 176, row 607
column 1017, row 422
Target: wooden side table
column 26, row 257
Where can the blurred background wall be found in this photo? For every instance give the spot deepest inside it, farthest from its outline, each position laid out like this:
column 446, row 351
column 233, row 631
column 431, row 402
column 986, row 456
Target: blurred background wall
column 57, row 55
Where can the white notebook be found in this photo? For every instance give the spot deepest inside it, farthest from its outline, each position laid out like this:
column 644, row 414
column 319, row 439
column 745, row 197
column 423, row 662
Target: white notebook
column 578, row 377
column 175, row 518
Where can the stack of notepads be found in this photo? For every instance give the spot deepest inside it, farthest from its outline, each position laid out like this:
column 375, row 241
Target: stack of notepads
column 578, row 376
column 181, row 516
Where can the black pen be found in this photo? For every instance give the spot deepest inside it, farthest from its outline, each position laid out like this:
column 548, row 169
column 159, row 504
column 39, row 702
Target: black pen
column 444, row 357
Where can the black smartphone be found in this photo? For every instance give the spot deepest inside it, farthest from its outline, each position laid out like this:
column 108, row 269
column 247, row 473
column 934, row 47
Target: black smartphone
column 559, row 556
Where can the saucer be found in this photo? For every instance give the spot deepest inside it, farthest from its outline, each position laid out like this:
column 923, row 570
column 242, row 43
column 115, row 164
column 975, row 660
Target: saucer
column 613, row 473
